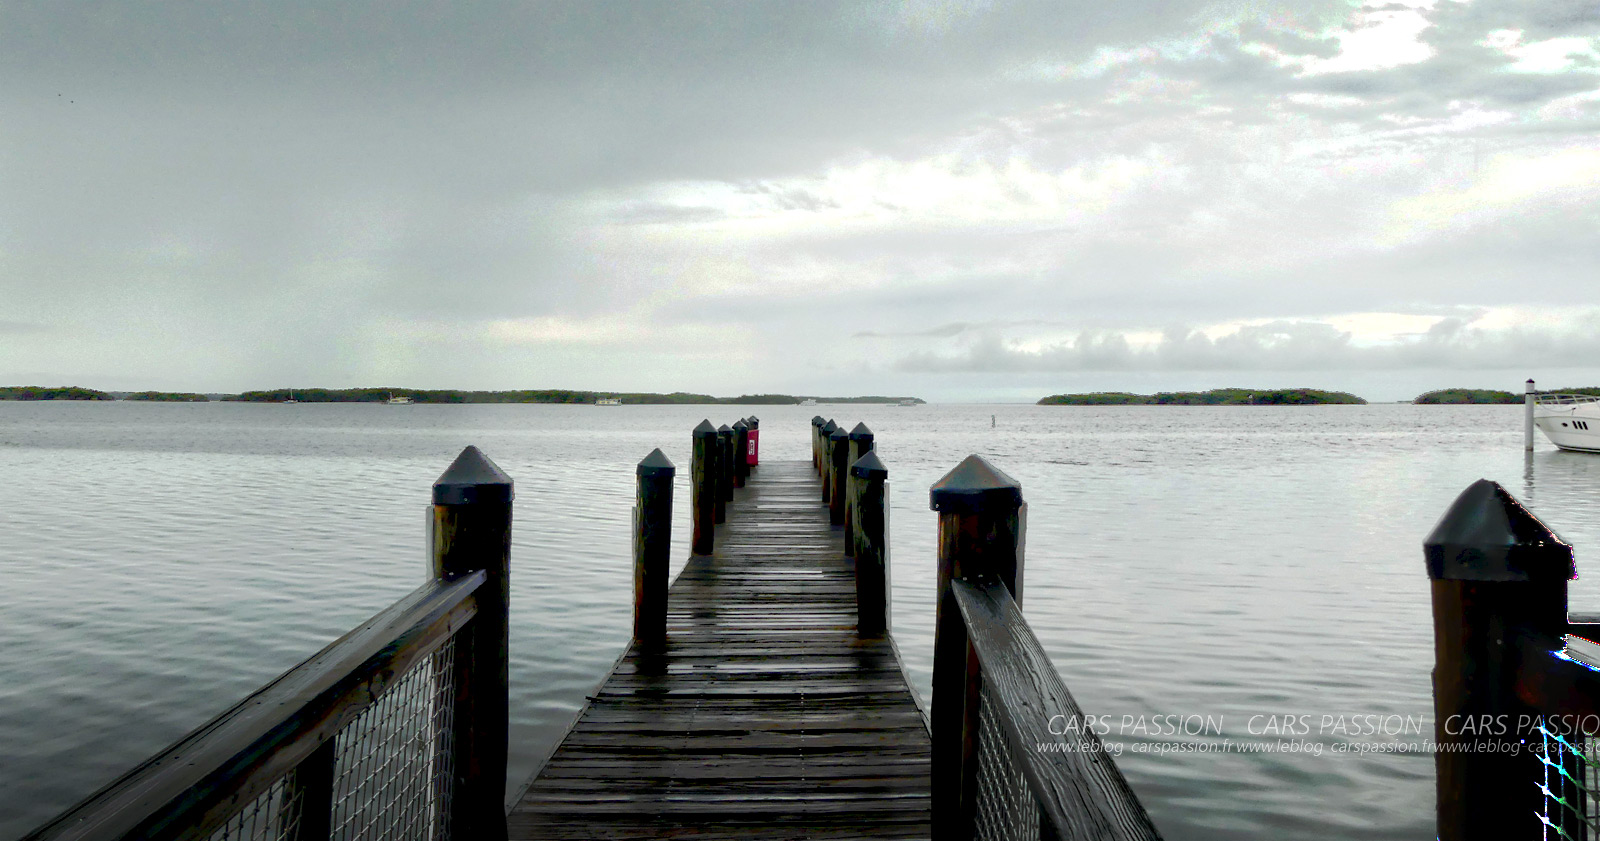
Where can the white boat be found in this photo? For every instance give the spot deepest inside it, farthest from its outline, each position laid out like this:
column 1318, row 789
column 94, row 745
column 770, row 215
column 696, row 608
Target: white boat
column 608, row 401
column 291, row 397
column 402, row 400
column 1570, row 421
column 809, row 401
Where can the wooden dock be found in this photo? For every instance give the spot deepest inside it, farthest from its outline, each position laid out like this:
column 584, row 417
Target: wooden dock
column 761, row 697
column 765, row 716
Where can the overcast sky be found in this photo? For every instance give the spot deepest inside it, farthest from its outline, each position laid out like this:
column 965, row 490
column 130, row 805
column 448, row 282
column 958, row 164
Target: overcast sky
column 961, row 201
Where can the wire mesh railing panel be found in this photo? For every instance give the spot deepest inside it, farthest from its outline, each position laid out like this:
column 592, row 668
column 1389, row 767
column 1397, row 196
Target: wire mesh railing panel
column 1007, row 809
column 394, row 766
column 1570, row 783
column 273, row 815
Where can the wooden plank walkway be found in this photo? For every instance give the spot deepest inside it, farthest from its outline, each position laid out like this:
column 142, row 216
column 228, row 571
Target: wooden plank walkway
column 766, row 718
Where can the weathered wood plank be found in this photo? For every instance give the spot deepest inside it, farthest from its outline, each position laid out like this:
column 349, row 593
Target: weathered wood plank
column 764, row 715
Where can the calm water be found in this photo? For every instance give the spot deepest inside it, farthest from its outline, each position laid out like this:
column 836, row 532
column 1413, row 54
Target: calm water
column 163, row 560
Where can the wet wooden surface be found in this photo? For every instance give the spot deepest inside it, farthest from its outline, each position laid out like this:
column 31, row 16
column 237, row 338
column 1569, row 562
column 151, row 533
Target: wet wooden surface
column 765, row 717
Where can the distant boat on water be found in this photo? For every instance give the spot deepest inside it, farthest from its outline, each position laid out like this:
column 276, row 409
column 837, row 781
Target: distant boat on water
column 1570, row 421
column 291, row 397
column 608, row 401
column 809, row 401
column 402, row 400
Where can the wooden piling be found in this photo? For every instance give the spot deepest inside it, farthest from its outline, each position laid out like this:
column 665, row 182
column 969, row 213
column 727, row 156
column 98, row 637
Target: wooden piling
column 982, row 519
column 724, row 472
column 652, row 548
column 838, row 455
column 869, row 543
column 860, row 444
column 816, row 442
column 741, row 452
column 753, row 459
column 470, row 531
column 825, row 463
column 1497, row 573
column 703, row 488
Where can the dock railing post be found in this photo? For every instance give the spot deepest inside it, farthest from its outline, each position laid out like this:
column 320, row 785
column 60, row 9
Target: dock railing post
column 825, row 453
column 652, row 548
column 816, row 442
column 869, row 543
column 724, row 473
column 982, row 520
column 860, row 444
column 1496, row 572
column 741, row 452
column 839, row 455
column 753, row 454
column 703, row 488
column 470, row 530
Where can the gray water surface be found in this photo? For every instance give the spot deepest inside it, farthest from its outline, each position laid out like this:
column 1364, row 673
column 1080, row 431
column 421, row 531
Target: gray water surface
column 163, row 560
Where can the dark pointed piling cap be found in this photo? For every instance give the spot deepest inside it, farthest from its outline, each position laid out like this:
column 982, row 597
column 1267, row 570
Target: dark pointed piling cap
column 974, row 485
column 741, row 426
column 829, row 427
column 471, row 478
column 705, row 430
column 838, row 434
column 656, row 464
column 753, row 421
column 861, row 432
column 869, row 467
column 1487, row 535
column 724, row 430
column 816, row 420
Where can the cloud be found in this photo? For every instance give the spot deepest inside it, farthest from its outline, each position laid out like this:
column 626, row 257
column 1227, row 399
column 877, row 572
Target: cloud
column 1448, row 344
column 953, row 329
column 282, row 191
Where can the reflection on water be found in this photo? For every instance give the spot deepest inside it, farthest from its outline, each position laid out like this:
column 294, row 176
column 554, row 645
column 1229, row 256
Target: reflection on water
column 1229, row 562
column 1558, row 480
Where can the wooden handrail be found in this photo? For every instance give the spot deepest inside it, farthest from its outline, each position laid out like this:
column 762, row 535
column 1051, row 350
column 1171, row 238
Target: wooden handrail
column 1081, row 793
column 198, row 782
column 288, row 731
column 985, row 653
column 1553, row 684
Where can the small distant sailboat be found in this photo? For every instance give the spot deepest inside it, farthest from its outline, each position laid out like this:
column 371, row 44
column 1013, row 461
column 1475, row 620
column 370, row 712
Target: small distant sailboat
column 291, row 397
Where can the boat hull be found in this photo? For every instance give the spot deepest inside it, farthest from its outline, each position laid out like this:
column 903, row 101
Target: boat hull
column 1575, row 428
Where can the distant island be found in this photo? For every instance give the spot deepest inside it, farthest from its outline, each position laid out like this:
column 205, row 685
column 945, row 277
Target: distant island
column 869, row 399
column 168, row 397
column 1466, row 395
column 1460, row 396
column 1214, row 397
column 34, row 392
column 382, row 395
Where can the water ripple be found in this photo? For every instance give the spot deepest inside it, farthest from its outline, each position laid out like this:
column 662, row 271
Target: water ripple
column 163, row 560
